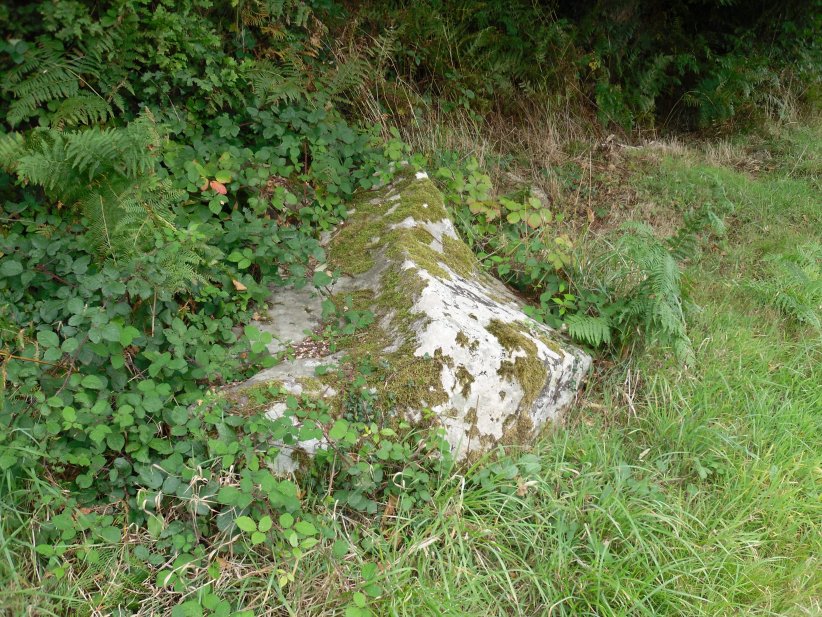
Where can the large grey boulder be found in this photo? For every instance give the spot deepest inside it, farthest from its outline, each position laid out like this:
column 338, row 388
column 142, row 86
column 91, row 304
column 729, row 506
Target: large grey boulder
column 453, row 342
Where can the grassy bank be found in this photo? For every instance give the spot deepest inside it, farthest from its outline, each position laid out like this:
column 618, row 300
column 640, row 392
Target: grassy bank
column 671, row 491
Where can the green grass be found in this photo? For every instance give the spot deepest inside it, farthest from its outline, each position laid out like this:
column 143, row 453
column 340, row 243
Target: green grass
column 672, row 491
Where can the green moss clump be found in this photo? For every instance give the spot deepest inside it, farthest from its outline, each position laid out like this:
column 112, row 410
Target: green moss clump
column 528, row 371
column 458, row 257
column 253, row 399
column 414, row 382
column 361, row 300
column 415, row 195
column 415, row 244
column 517, row 430
column 465, row 379
column 550, row 343
column 369, row 230
column 349, row 251
column 406, row 382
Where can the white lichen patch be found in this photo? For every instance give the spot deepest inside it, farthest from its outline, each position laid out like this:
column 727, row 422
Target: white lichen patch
column 460, row 311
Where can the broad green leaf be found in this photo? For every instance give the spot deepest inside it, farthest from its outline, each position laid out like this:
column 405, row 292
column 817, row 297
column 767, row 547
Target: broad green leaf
column 47, row 338
column 10, row 267
column 258, row 537
column 265, row 524
column 286, row 520
column 305, row 528
column 339, row 430
column 92, row 382
column 246, row 523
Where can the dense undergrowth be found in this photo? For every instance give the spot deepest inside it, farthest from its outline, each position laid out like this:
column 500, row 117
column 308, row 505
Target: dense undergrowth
column 165, row 164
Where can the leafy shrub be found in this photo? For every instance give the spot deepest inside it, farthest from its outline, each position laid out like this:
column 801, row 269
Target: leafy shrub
column 620, row 292
column 695, row 63
column 135, row 245
column 512, row 236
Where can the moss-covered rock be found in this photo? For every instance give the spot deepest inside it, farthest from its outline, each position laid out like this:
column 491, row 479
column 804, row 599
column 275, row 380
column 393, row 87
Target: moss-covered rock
column 445, row 336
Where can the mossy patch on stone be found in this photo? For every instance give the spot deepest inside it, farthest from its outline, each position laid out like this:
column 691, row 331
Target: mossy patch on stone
column 465, row 379
column 458, row 257
column 404, row 381
column 252, row 399
column 358, row 300
column 518, row 430
column 550, row 343
column 467, row 343
column 350, row 250
column 528, row 371
column 415, row 245
column 397, row 221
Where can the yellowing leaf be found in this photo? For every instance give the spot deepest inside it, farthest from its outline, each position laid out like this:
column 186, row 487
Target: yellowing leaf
column 238, row 285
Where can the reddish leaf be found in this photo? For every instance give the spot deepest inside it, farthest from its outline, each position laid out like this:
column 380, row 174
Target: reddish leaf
column 218, row 187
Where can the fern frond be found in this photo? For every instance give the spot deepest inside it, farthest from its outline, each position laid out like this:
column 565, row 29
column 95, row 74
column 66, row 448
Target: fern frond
column 51, row 73
column 594, row 331
column 12, row 146
column 347, row 77
column 109, row 176
column 650, row 288
column 45, row 75
column 92, row 150
column 794, row 286
column 275, row 83
column 81, row 109
column 123, row 215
